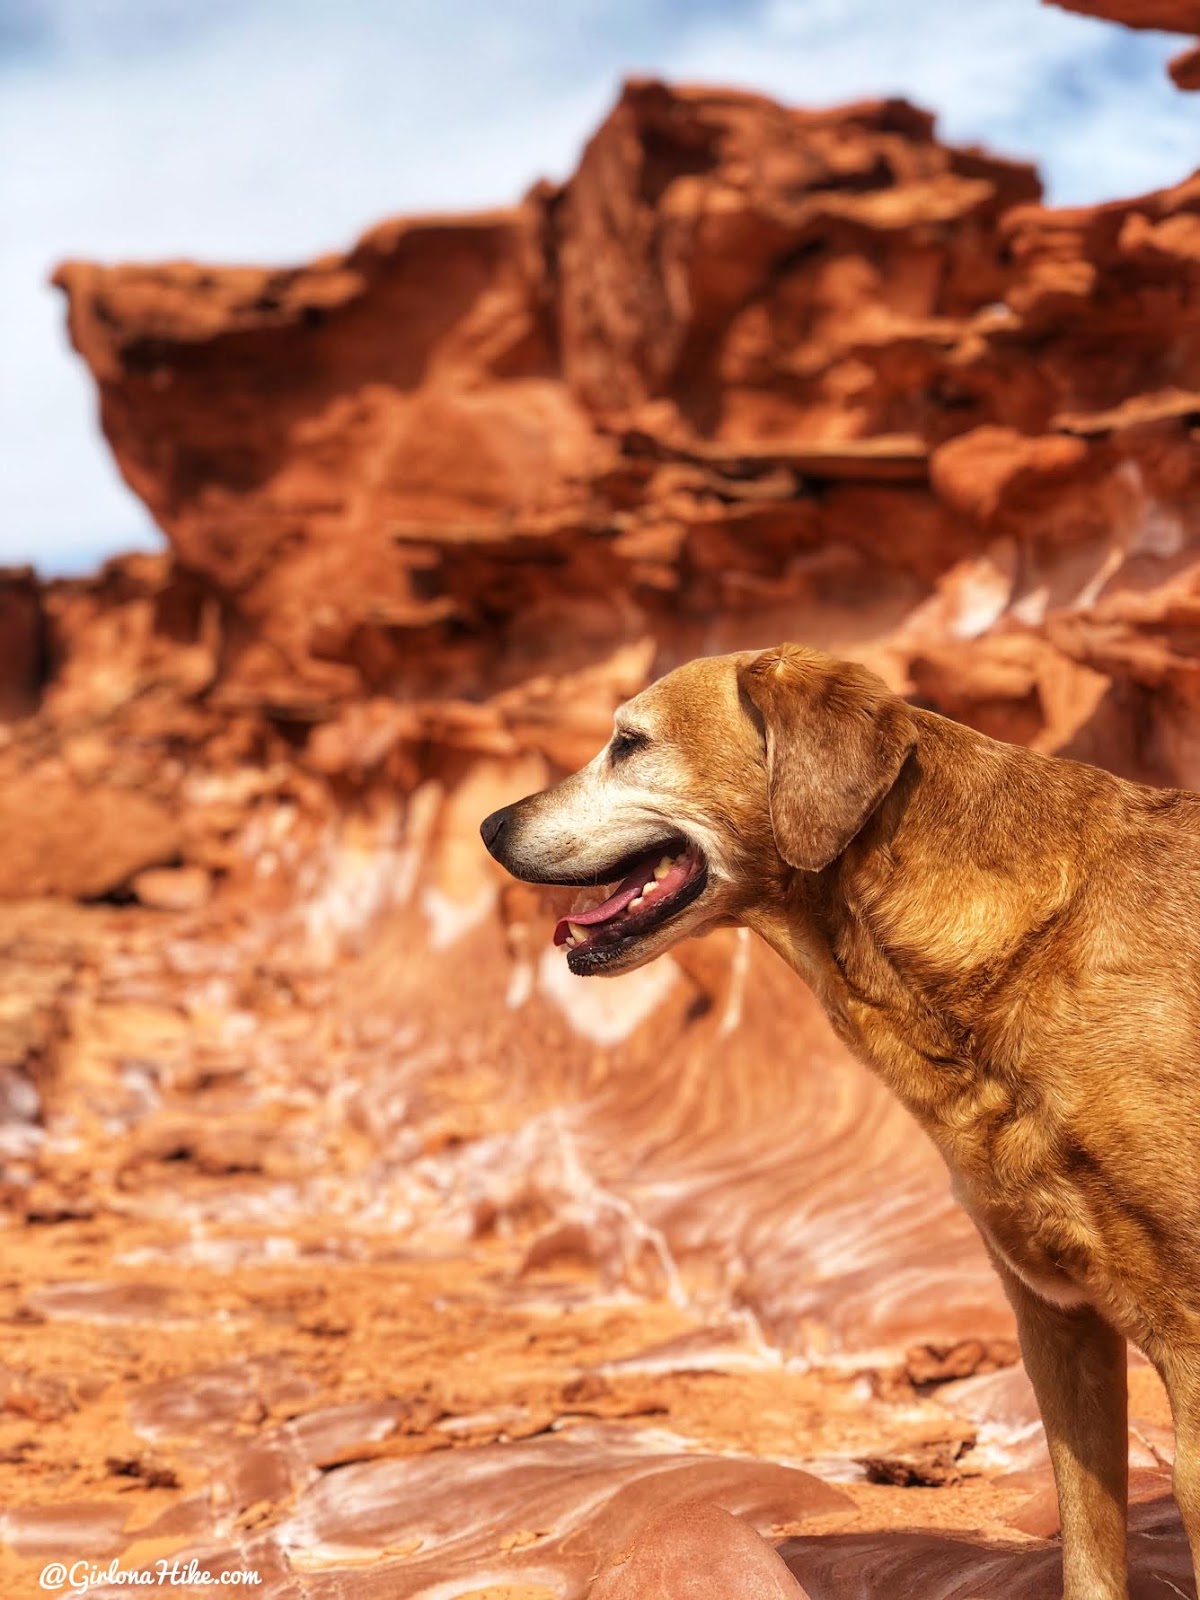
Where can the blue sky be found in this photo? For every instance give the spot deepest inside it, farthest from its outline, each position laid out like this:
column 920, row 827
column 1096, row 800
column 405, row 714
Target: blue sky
column 268, row 130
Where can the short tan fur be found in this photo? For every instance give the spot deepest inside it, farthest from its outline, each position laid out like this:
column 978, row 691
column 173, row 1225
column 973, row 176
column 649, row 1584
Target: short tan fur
column 1012, row 942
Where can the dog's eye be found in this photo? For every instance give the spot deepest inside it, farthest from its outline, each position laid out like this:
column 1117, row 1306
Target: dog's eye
column 624, row 743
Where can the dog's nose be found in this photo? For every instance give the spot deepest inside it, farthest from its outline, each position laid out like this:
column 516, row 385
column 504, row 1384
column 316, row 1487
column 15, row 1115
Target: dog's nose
column 492, row 827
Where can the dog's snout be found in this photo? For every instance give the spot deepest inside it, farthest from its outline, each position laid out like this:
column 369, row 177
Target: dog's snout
column 491, row 829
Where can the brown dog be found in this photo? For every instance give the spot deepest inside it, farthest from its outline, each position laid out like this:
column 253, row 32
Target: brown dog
column 1011, row 941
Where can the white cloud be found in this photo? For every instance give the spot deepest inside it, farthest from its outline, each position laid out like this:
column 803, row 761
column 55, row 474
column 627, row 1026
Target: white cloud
column 267, row 130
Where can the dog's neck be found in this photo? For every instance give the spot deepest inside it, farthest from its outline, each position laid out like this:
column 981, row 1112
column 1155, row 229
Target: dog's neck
column 935, row 904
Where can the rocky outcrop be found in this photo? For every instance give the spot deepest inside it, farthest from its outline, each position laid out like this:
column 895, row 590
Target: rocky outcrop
column 749, row 370
column 1167, row 16
column 22, row 627
column 433, row 507
column 578, row 398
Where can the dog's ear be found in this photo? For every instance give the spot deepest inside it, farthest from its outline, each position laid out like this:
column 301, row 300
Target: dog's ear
column 836, row 740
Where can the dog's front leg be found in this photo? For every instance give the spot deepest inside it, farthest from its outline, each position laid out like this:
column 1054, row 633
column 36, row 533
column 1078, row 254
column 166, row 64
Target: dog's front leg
column 1179, row 1367
column 1076, row 1363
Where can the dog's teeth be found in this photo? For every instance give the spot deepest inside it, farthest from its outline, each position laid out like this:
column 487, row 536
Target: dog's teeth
column 638, row 900
column 576, row 932
column 569, row 942
column 649, row 888
column 663, row 867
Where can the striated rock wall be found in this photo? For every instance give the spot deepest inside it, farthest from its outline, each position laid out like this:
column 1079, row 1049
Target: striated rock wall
column 501, row 411
column 748, row 370
column 433, row 508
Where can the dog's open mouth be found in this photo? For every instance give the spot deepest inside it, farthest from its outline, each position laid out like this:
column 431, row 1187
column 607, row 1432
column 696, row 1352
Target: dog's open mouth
column 654, row 887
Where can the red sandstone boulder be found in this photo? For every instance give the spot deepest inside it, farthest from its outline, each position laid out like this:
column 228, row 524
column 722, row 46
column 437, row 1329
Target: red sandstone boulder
column 697, row 1552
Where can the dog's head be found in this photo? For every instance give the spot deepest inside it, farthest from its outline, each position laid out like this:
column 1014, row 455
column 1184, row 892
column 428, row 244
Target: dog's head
column 720, row 781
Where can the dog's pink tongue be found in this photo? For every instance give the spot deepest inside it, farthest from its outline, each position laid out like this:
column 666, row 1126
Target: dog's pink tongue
column 625, row 891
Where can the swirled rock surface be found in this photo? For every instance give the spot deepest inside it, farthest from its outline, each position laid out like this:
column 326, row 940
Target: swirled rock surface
column 352, row 1239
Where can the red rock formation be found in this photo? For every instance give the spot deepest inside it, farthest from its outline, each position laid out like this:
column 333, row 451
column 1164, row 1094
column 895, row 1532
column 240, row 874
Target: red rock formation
column 563, row 390
column 1169, row 16
column 21, row 643
column 433, row 508
column 1185, row 68
column 694, row 1552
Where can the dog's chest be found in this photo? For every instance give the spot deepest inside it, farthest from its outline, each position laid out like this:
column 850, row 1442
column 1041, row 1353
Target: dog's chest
column 1038, row 1242
column 1004, row 1152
